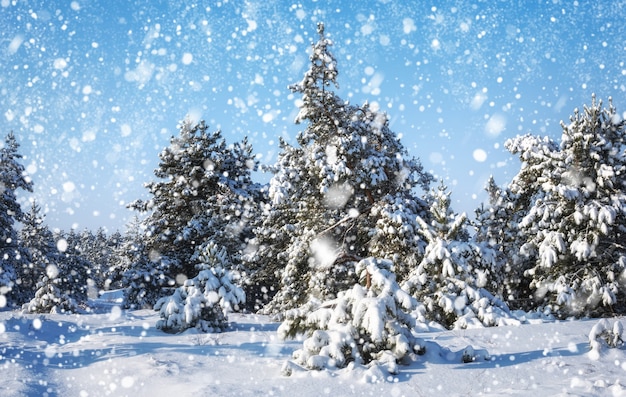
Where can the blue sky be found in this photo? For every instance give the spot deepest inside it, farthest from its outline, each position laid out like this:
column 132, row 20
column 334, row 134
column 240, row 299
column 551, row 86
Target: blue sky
column 94, row 89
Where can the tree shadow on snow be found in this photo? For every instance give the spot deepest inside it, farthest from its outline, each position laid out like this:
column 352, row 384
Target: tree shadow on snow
column 512, row 359
column 440, row 355
column 253, row 327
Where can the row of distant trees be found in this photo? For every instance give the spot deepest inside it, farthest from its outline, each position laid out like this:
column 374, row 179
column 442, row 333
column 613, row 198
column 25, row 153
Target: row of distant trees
column 346, row 206
column 42, row 270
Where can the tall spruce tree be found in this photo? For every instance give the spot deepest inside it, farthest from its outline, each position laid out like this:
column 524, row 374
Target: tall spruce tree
column 13, row 257
column 204, row 192
column 347, row 177
column 573, row 200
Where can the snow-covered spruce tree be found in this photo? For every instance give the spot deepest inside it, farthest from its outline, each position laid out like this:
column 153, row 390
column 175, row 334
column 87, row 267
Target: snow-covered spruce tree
column 43, row 255
column 127, row 251
column 496, row 225
column 13, row 257
column 98, row 249
column 367, row 324
column 142, row 277
column 52, row 295
column 205, row 300
column 573, row 199
column 59, row 276
column 342, row 193
column 72, row 275
column 452, row 279
column 204, row 192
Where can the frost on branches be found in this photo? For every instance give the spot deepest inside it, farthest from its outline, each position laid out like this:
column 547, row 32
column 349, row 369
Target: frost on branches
column 574, row 205
column 450, row 281
column 204, row 301
column 368, row 324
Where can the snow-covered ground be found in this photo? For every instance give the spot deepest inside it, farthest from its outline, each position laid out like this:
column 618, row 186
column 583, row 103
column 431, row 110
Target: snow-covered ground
column 120, row 353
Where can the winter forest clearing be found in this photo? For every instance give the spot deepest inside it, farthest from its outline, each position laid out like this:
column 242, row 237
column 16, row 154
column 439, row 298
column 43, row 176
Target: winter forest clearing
column 349, row 272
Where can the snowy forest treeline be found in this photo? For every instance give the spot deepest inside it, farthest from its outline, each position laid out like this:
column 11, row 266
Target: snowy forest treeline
column 351, row 243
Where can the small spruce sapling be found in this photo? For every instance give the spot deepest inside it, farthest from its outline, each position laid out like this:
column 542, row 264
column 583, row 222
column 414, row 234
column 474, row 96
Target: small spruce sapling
column 49, row 298
column 204, row 301
column 368, row 324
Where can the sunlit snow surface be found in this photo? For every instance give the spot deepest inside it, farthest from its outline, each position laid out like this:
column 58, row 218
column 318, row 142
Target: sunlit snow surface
column 119, row 353
column 94, row 89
